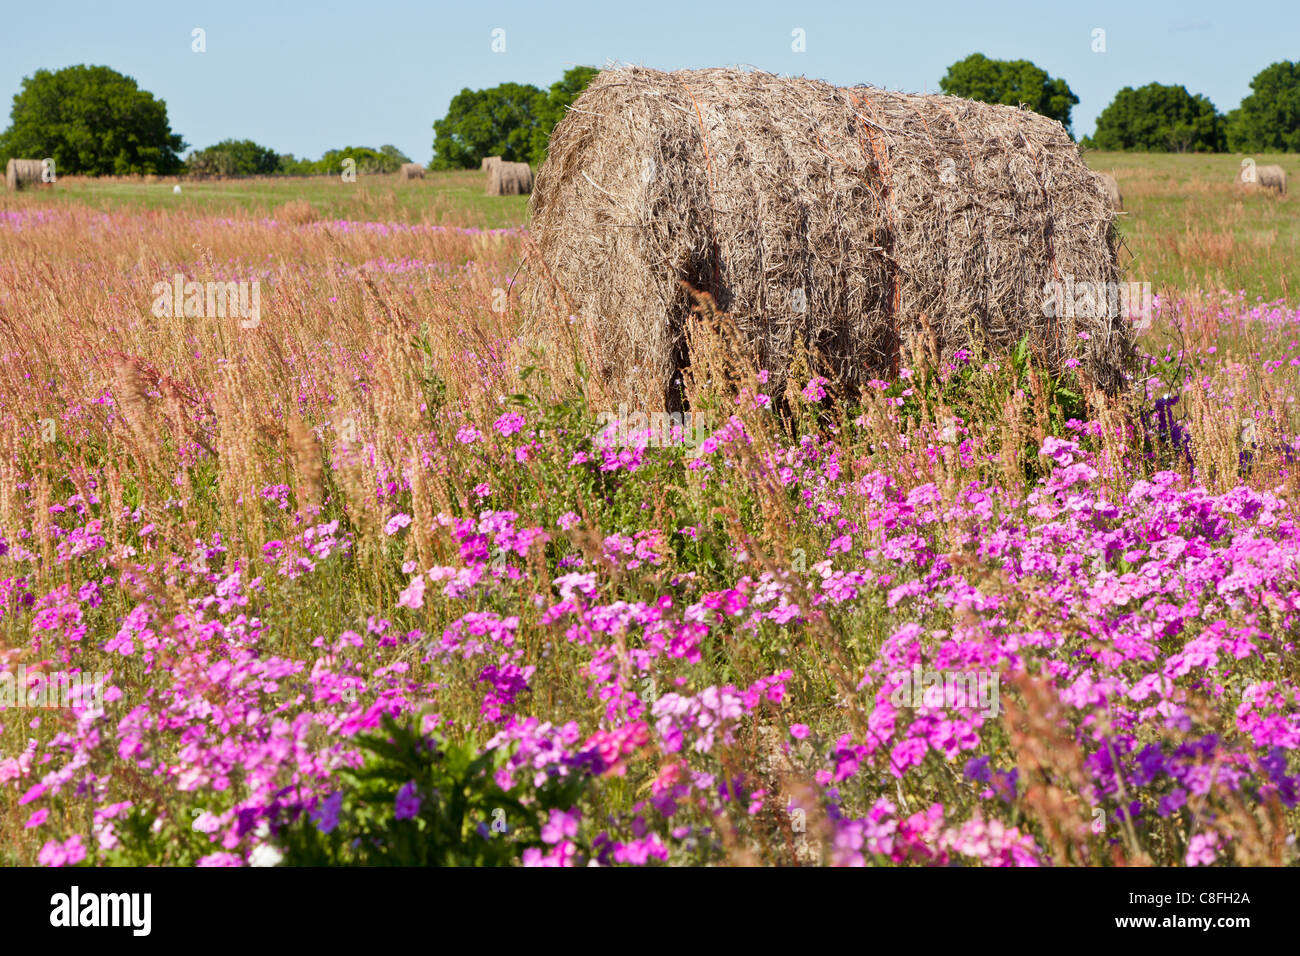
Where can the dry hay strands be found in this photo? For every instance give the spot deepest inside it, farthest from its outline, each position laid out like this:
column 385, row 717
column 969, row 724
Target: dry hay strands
column 20, row 173
column 1265, row 177
column 510, row 179
column 296, row 212
column 307, row 462
column 821, row 219
column 1110, row 186
column 486, row 164
column 131, row 395
column 410, row 171
column 135, row 380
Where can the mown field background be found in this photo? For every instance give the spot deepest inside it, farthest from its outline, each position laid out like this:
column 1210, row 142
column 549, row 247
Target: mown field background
column 1185, row 225
column 454, row 198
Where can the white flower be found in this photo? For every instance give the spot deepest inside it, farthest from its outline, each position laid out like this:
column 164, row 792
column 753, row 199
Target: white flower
column 265, row 855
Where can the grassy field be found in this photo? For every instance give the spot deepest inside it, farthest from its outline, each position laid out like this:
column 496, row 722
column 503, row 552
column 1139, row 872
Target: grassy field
column 1188, row 226
column 380, row 573
column 440, row 198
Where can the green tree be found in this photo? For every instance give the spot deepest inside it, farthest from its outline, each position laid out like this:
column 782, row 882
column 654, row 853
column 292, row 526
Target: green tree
column 91, row 120
column 1010, row 82
column 500, row 121
column 395, row 154
column 1268, row 120
column 289, row 165
column 561, row 96
column 234, row 158
column 1158, row 118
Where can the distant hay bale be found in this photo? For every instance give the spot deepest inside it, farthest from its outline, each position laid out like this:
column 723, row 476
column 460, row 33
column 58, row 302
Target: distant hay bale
column 1273, row 177
column 410, row 171
column 852, row 222
column 1110, row 185
column 1265, row 177
column 487, row 163
column 510, row 179
column 20, row 173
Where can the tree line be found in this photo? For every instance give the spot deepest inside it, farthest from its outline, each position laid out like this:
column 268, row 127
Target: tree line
column 92, row 120
column 244, row 157
column 1155, row 118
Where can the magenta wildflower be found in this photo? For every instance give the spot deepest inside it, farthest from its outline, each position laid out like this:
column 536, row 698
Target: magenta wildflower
column 562, row 824
column 68, row 853
column 509, row 423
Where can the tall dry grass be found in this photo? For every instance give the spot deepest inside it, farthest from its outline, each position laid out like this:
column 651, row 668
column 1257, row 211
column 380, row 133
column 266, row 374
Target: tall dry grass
column 377, row 332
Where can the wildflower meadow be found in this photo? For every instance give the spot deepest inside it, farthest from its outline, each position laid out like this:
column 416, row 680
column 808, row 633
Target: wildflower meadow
column 385, row 577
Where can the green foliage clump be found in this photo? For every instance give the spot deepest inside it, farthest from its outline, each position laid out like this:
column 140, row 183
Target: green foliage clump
column 233, row 158
column 499, row 121
column 423, row 801
column 91, row 120
column 246, row 158
column 512, row 120
column 1268, row 120
column 1010, row 83
column 1159, row 119
column 368, row 160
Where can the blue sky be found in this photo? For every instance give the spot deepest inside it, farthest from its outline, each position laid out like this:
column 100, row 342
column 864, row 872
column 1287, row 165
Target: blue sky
column 304, row 77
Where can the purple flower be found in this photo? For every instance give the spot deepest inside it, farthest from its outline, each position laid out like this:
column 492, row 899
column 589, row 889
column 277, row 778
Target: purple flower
column 408, row 802
column 326, row 816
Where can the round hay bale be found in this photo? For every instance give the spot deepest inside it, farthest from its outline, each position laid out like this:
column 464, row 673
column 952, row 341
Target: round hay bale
column 410, row 171
column 20, row 173
column 848, row 221
column 510, row 179
column 1264, row 177
column 487, row 163
column 1110, row 186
